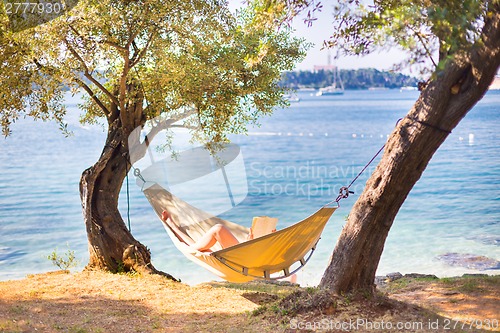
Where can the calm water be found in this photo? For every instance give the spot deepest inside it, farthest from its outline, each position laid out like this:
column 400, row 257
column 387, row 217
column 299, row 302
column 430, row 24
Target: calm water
column 295, row 162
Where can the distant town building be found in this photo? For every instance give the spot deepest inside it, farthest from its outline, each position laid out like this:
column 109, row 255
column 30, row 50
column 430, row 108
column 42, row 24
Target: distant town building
column 318, row 68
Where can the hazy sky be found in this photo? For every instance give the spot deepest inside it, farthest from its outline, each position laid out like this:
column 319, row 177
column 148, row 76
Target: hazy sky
column 321, row 30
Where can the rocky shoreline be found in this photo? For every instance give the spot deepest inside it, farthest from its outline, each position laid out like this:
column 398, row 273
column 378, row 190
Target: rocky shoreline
column 381, row 281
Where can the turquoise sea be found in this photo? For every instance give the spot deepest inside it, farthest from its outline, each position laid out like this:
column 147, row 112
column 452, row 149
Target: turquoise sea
column 295, row 162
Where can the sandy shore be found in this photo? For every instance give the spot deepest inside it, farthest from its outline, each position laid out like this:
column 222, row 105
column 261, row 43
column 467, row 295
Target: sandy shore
column 102, row 302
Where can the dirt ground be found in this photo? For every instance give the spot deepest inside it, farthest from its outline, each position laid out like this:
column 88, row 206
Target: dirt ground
column 102, row 302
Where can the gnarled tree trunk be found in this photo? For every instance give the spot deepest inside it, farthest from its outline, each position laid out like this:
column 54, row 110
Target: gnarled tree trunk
column 440, row 107
column 111, row 246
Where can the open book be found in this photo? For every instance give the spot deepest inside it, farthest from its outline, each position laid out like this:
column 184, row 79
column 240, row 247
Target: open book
column 263, row 225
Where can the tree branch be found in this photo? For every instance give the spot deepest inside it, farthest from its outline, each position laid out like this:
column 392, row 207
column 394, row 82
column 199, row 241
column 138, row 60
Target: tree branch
column 76, row 55
column 142, row 52
column 425, row 46
column 183, row 126
column 123, row 87
column 81, row 84
column 105, row 41
column 101, row 87
column 113, row 44
column 88, row 75
column 92, row 95
column 139, row 149
column 131, row 38
column 479, row 66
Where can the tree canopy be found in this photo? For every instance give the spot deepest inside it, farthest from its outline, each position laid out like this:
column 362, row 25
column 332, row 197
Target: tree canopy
column 430, row 31
column 462, row 41
column 180, row 56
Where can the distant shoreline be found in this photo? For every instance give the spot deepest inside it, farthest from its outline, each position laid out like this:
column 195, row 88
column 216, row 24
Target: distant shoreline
column 359, row 79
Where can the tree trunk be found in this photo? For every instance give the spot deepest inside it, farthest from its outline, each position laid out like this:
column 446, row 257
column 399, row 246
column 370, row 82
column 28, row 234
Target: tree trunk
column 111, row 246
column 440, row 107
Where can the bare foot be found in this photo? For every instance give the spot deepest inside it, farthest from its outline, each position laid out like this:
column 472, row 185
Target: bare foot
column 167, row 218
column 165, row 215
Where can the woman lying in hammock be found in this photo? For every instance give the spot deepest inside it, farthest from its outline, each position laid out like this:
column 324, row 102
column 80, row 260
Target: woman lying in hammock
column 217, row 233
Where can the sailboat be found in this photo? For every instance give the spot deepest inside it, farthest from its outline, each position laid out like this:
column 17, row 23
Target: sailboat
column 330, row 91
column 337, row 88
column 291, row 98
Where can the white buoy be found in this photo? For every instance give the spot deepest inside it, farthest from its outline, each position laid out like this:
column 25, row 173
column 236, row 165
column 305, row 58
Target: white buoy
column 471, row 139
column 354, row 135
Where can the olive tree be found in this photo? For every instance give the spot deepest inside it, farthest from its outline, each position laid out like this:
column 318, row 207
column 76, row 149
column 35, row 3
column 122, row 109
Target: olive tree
column 457, row 45
column 193, row 62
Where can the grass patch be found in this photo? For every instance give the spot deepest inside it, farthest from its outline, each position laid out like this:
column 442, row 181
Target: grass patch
column 447, row 280
column 397, row 285
column 309, row 300
column 10, row 326
column 260, row 310
column 470, row 284
column 17, row 309
column 276, row 288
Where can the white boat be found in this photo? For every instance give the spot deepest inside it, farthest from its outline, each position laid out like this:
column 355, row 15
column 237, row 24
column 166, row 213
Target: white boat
column 408, row 88
column 377, row 88
column 291, row 98
column 337, row 88
column 330, row 91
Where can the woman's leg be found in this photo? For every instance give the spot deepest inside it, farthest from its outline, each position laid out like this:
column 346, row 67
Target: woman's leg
column 217, row 233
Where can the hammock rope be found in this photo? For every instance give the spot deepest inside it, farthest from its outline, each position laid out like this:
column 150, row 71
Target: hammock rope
column 345, row 190
column 137, row 173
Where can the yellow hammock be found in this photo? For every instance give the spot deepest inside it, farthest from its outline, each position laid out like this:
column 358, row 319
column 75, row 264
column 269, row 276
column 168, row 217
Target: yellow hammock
column 283, row 252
